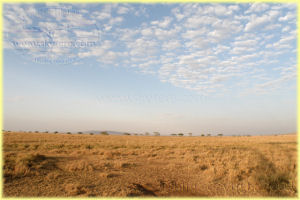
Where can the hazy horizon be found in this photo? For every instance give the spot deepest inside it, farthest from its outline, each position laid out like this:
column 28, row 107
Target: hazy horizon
column 168, row 68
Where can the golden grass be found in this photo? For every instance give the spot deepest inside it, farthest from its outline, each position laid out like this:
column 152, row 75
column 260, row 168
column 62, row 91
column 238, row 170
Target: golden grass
column 44, row 164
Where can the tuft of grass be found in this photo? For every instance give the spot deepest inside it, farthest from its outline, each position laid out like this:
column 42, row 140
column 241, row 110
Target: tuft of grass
column 274, row 183
column 74, row 189
column 81, row 165
column 53, row 175
column 25, row 164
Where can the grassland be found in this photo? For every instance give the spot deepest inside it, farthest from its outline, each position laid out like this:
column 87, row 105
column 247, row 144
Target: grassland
column 45, row 164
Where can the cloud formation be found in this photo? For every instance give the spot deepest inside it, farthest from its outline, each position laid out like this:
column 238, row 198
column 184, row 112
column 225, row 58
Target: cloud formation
column 206, row 48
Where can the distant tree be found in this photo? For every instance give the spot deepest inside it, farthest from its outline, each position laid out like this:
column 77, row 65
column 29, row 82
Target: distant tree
column 208, row 134
column 104, row 133
column 55, row 132
column 174, row 134
column 156, row 133
column 220, row 134
column 180, row 134
column 46, row 132
column 202, row 135
column 28, row 131
column 36, row 131
column 68, row 132
column 91, row 133
column 135, row 134
column 190, row 134
column 147, row 133
column 79, row 132
column 126, row 134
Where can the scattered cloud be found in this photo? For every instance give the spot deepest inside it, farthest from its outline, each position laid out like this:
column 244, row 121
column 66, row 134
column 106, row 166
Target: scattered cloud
column 206, row 48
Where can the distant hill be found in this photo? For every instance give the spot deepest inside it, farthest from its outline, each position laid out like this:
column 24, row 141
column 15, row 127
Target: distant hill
column 109, row 132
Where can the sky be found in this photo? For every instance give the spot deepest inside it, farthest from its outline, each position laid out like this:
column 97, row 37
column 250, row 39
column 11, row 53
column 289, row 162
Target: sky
column 168, row 68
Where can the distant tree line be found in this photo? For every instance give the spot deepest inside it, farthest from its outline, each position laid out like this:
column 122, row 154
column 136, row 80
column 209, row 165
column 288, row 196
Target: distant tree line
column 156, row 133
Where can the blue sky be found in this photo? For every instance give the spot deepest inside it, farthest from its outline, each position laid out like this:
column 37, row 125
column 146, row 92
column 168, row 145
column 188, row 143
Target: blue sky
column 200, row 68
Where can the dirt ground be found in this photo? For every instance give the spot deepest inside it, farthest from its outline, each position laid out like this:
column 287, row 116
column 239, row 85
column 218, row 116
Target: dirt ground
column 60, row 165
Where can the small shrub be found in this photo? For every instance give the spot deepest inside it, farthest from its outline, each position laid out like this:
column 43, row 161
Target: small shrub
column 156, row 133
column 107, row 175
column 88, row 146
column 104, row 133
column 79, row 132
column 203, row 167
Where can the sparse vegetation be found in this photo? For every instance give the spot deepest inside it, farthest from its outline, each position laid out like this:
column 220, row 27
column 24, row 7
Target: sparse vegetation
column 82, row 165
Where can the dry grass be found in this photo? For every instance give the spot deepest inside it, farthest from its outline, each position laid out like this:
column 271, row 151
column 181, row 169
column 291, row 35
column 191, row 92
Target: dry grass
column 44, row 164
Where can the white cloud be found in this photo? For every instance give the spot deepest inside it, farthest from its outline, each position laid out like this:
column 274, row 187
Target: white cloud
column 257, row 22
column 221, row 10
column 257, row 7
column 147, row 32
column 200, row 47
column 123, row 10
column 289, row 16
column 171, row 45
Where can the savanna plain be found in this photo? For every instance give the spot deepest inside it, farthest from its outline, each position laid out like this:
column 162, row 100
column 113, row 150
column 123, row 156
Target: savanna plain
column 60, row 165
